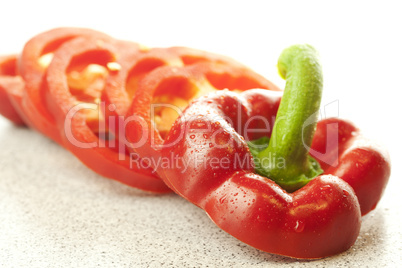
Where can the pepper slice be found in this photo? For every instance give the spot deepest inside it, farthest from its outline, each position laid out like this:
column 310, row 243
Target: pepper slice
column 122, row 85
column 75, row 79
column 11, row 87
column 34, row 59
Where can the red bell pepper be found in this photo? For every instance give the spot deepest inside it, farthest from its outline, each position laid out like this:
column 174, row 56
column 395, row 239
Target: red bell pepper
column 11, row 86
column 73, row 92
column 121, row 86
column 297, row 205
column 34, row 59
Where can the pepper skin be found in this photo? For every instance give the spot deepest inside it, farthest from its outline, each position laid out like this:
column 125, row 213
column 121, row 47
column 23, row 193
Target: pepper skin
column 362, row 163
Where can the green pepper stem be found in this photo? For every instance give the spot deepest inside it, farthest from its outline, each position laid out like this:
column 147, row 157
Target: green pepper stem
column 296, row 119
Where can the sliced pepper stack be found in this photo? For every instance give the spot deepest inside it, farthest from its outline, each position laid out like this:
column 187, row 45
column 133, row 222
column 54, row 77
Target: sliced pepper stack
column 64, row 78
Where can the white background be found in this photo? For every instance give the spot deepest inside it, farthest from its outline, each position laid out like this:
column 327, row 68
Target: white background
column 54, row 212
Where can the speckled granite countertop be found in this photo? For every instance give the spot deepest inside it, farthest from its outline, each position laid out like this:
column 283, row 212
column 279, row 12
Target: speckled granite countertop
column 54, row 212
